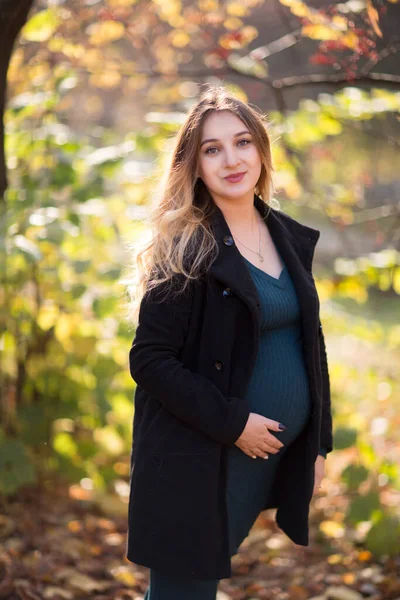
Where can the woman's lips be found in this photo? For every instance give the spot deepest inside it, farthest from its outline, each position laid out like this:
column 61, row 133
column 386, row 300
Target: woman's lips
column 235, row 178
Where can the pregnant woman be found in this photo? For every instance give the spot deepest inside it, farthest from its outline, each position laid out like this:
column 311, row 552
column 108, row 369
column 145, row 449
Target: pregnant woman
column 232, row 405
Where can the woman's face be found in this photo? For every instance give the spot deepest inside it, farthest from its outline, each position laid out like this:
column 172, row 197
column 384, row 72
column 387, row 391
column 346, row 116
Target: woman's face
column 224, row 152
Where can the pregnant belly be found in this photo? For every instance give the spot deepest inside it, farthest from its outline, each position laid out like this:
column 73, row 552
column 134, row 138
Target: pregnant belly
column 279, row 390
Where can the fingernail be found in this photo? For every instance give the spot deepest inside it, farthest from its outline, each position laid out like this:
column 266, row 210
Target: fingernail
column 266, row 457
column 254, row 456
column 282, row 427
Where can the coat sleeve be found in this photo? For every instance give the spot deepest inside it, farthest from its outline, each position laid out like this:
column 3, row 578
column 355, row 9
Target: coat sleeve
column 326, row 442
column 155, row 367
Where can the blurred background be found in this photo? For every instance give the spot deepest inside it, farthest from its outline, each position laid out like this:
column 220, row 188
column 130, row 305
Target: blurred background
column 92, row 92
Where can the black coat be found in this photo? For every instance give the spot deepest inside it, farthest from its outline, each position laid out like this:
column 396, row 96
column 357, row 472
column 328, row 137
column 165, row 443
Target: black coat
column 191, row 359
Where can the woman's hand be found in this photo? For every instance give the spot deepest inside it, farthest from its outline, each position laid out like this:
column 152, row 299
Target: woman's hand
column 256, row 440
column 319, row 472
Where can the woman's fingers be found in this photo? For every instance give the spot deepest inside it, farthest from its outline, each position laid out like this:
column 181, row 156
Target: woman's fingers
column 261, row 452
column 258, row 454
column 273, row 444
column 270, row 449
column 265, row 451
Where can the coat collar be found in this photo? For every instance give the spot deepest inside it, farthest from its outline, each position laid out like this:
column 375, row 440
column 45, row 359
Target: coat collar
column 294, row 241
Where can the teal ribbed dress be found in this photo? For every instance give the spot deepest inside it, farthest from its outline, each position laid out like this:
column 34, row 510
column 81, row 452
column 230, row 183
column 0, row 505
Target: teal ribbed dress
column 278, row 389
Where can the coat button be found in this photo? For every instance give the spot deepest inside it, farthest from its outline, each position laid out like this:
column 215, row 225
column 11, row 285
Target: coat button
column 219, row 365
column 227, row 292
column 228, row 240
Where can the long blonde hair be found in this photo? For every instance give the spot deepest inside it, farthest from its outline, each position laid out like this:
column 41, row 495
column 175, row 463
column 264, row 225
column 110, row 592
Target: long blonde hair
column 182, row 245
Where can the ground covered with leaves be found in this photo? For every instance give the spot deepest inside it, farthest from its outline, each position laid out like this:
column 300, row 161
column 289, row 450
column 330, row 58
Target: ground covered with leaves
column 62, row 545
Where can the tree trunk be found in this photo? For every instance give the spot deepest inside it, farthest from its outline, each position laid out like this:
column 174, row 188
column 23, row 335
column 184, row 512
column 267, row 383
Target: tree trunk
column 13, row 15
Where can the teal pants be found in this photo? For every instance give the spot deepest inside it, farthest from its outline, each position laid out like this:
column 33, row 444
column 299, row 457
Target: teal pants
column 248, row 486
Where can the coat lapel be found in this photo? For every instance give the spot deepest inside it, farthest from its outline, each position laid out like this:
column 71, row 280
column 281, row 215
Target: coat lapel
column 296, row 244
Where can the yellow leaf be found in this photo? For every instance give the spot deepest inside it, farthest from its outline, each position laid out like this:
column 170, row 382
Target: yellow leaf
column 179, row 39
column 167, row 9
column 300, row 10
column 65, row 327
column 340, row 22
column 92, row 58
column 384, row 280
column 350, row 39
column 64, row 444
column 106, row 80
column 236, row 9
column 47, row 316
column 109, row 440
column 396, row 280
column 374, row 18
column 16, row 62
column 334, row 559
column 249, row 34
column 332, row 529
column 208, row 5
column 41, row 26
column 105, row 32
column 73, row 50
column 320, row 32
column 176, row 21
column 351, row 288
column 233, row 23
column 125, row 575
column 56, row 44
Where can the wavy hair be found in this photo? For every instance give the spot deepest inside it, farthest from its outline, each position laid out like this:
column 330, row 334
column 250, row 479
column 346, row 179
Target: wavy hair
column 182, row 245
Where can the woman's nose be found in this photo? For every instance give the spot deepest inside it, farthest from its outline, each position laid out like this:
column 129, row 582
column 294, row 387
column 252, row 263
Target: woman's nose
column 231, row 157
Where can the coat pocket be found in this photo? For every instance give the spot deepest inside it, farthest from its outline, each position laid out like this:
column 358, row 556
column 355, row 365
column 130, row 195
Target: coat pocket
column 186, row 487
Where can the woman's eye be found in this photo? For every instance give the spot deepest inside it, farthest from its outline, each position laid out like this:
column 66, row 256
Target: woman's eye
column 214, row 148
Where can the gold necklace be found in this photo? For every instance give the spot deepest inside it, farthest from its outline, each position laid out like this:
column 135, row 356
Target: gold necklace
column 260, row 256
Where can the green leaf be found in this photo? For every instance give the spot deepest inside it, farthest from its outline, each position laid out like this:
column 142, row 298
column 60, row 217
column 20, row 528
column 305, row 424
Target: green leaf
column 362, row 507
column 77, row 291
column 15, row 467
column 81, row 266
column 105, row 306
column 64, row 174
column 33, row 424
column 354, row 475
column 384, row 537
column 345, row 438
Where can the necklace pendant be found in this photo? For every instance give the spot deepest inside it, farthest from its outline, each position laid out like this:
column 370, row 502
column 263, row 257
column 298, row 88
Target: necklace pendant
column 261, row 258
